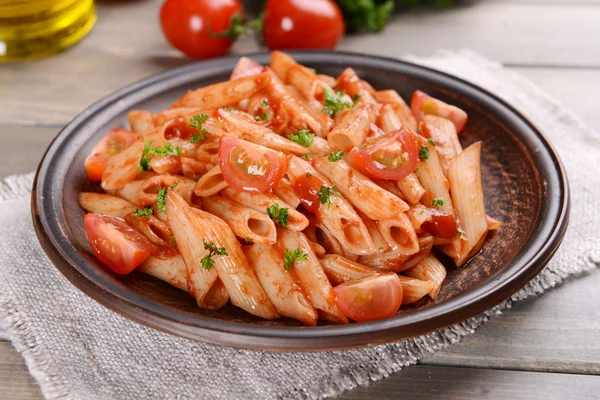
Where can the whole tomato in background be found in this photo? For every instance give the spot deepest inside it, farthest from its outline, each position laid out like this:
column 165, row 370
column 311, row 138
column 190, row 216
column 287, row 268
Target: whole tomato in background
column 192, row 26
column 302, row 24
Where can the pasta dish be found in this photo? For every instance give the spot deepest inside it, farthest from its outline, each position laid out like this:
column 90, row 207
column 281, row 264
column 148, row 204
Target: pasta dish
column 290, row 193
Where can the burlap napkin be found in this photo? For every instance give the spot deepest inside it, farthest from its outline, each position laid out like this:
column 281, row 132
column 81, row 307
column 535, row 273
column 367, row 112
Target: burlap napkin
column 77, row 349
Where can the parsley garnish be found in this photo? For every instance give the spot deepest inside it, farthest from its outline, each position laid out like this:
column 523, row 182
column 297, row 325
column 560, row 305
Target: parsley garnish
column 356, row 97
column 207, row 261
column 279, row 214
column 333, row 157
column 263, row 117
column 249, row 240
column 431, row 141
column 171, row 238
column 144, row 212
column 307, row 155
column 437, row 202
column 423, row 153
column 308, row 174
column 161, row 200
column 325, row 193
column 303, row 137
column 292, row 256
column 196, row 122
column 264, row 103
column 334, row 102
column 167, row 150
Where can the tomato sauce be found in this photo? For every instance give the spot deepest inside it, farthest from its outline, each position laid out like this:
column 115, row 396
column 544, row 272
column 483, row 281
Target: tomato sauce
column 442, row 225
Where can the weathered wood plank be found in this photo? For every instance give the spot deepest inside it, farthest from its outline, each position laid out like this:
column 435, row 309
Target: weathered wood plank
column 15, row 381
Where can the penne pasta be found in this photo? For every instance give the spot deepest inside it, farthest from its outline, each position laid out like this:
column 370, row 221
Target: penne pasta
column 443, row 134
column 105, row 204
column 123, row 167
column 141, row 122
column 168, row 269
column 318, row 233
column 246, row 223
column 245, row 67
column 410, row 188
column 156, row 231
column 356, row 88
column 432, row 177
column 340, row 269
column 402, row 110
column 150, row 188
column 399, row 234
column 353, row 127
column 388, row 120
column 413, row 289
column 285, row 191
column 429, row 269
column 492, row 223
column 210, row 183
column 280, row 284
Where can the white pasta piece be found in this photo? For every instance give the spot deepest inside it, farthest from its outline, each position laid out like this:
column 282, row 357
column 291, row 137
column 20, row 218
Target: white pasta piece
column 280, row 285
column 158, row 232
column 245, row 222
column 150, row 188
column 169, row 269
column 399, row 234
column 318, row 233
column 464, row 175
column 319, row 146
column 285, row 191
column 105, row 204
column 216, row 297
column 430, row 269
column 388, row 120
column 443, row 133
column 123, row 167
column 411, row 188
column 141, row 122
column 418, row 215
column 378, row 240
column 402, row 110
column 261, row 201
column 413, row 289
column 360, row 191
column 340, row 269
column 130, row 192
column 210, row 183
column 432, row 177
column 311, row 276
column 492, row 223
column 355, row 87
column 352, row 129
column 245, row 67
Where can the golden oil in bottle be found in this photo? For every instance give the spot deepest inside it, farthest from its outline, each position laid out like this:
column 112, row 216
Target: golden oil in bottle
column 38, row 28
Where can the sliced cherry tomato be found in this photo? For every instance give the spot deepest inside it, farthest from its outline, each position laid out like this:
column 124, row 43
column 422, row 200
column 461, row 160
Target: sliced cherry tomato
column 250, row 167
column 307, row 188
column 369, row 298
column 112, row 143
column 302, row 24
column 442, row 225
column 191, row 25
column 389, row 157
column 115, row 243
column 422, row 104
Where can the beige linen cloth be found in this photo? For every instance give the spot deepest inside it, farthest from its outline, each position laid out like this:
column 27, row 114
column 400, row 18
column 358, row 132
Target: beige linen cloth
column 77, row 349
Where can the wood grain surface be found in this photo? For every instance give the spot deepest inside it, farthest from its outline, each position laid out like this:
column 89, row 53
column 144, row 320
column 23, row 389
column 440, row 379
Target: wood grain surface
column 541, row 348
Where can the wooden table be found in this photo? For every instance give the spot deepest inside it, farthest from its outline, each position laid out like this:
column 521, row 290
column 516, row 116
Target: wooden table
column 543, row 348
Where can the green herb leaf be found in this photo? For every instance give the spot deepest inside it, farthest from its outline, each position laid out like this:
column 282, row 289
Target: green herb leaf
column 325, row 193
column 161, row 200
column 279, row 214
column 264, row 103
column 334, row 102
column 307, row 156
column 263, row 117
column 431, row 141
column 249, row 240
column 167, row 150
column 144, row 212
column 291, row 256
column 196, row 122
column 437, row 202
column 356, row 97
column 333, row 157
column 423, row 153
column 207, row 261
column 308, row 174
column 368, row 14
column 303, row 137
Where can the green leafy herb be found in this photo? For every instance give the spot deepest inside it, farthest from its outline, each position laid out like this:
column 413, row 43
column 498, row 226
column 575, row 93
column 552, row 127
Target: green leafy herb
column 263, row 117
column 196, row 122
column 335, row 192
column 423, row 153
column 161, row 200
column 356, row 97
column 307, row 156
column 308, row 175
column 264, row 103
column 207, row 261
column 279, row 214
column 437, row 202
column 303, row 137
column 325, row 193
column 291, row 256
column 421, row 212
column 166, row 150
column 171, row 238
column 334, row 102
column 144, row 212
column 368, row 14
column 381, row 248
column 431, row 141
column 249, row 240
column 333, row 157
column 459, row 232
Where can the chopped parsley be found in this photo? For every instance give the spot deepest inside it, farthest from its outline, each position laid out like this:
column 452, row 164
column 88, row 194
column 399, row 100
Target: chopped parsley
column 171, row 238
column 381, row 248
column 249, row 240
column 356, row 97
column 437, row 202
column 264, row 103
column 196, row 122
column 166, row 150
column 207, row 261
column 432, row 142
column 291, row 256
column 334, row 102
column 263, row 117
column 307, row 156
column 279, row 214
column 459, row 232
column 161, row 200
column 303, row 137
column 333, row 157
column 308, row 175
column 144, row 212
column 423, row 153
column 325, row 193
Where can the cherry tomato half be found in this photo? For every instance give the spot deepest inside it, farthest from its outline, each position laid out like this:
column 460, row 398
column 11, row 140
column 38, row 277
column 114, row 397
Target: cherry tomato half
column 191, row 25
column 389, row 157
column 422, row 104
column 370, row 298
column 307, row 187
column 115, row 243
column 250, row 167
column 302, row 24
column 112, row 143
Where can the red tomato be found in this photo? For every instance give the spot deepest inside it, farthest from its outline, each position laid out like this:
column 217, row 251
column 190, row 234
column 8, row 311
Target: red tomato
column 302, row 24
column 389, row 157
column 112, row 143
column 190, row 25
column 422, row 104
column 250, row 167
column 115, row 243
column 307, row 188
column 442, row 225
column 369, row 298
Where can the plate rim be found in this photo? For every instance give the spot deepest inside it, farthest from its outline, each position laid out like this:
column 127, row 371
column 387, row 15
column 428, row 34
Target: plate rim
column 278, row 338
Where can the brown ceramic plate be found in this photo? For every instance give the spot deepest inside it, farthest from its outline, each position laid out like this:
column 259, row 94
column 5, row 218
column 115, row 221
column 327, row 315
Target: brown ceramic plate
column 525, row 187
